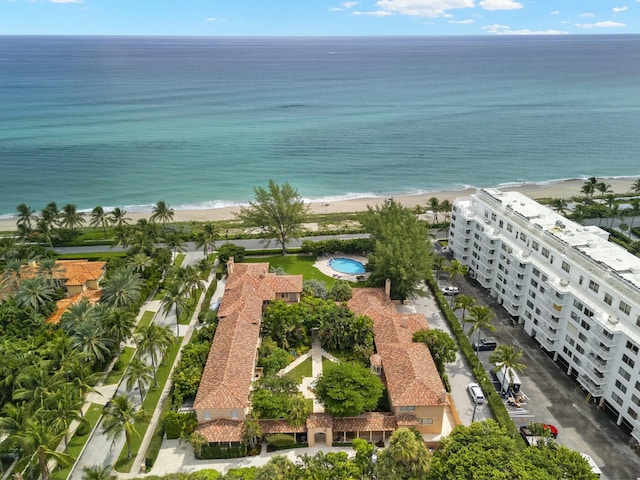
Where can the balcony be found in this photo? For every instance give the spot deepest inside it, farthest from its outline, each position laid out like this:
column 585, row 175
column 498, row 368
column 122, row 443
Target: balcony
column 598, row 362
column 547, row 344
column 591, row 386
column 600, row 349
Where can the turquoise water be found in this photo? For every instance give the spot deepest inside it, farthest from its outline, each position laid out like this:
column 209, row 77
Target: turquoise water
column 346, row 265
column 198, row 122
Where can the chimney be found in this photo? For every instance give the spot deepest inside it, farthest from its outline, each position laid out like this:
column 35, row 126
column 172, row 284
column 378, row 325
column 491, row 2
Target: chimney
column 387, row 287
column 230, row 266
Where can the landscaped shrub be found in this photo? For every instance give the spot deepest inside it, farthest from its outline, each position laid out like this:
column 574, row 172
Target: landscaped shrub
column 206, row 474
column 355, row 245
column 172, row 423
column 281, row 440
column 206, row 302
column 209, row 452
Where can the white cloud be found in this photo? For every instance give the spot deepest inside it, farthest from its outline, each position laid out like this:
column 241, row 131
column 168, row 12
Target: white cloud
column 423, row 8
column 377, row 13
column 619, row 9
column 335, row 9
column 498, row 29
column 588, row 14
column 500, row 5
column 462, row 22
column 212, row 19
column 349, row 4
column 555, row 12
column 607, row 24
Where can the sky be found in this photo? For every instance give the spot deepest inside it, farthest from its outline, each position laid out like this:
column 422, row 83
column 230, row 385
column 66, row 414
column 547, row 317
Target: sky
column 318, row 17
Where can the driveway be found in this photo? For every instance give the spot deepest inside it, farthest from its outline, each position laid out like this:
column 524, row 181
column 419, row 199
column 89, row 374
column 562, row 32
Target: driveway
column 555, row 398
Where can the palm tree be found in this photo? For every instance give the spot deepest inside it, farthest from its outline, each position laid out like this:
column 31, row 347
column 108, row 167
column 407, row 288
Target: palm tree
column 176, row 299
column 35, row 385
column 50, row 215
column 140, row 262
column 162, row 211
column 437, row 263
column 13, row 271
column 38, row 444
column 298, row 411
column 49, row 267
column 91, row 339
column 119, row 217
column 192, row 280
column 251, row 431
column 464, row 303
column 26, row 216
column 207, row 238
column 122, row 236
column 34, row 293
column 603, row 188
column 120, row 417
column 119, row 325
column 635, row 210
column 122, row 289
column 70, row 217
column 46, row 232
column 65, row 408
column 635, row 187
column 154, row 341
column 98, row 473
column 589, row 187
column 139, row 373
column 480, row 318
column 445, row 207
column 100, row 219
column 434, row 204
column 175, row 242
column 559, row 205
column 456, row 268
column 507, row 357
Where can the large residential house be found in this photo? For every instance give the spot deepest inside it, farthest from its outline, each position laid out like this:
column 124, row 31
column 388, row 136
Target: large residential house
column 80, row 279
column 222, row 403
column 574, row 292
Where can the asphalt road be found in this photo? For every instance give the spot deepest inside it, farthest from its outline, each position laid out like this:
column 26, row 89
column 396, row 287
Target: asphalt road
column 555, row 398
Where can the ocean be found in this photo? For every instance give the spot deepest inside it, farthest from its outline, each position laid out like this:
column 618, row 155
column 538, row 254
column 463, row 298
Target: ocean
column 199, row 121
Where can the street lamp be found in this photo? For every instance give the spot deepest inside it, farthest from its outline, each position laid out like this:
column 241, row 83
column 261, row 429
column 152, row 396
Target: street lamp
column 475, row 407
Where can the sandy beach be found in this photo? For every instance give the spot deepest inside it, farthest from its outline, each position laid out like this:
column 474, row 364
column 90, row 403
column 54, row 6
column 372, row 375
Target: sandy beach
column 565, row 188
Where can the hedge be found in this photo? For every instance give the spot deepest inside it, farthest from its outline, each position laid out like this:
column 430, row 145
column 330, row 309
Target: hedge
column 496, row 404
column 209, row 452
column 354, row 245
column 281, row 440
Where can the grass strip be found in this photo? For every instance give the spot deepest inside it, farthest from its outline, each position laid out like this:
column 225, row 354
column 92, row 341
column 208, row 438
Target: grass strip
column 156, row 441
column 120, row 367
column 302, row 370
column 103, row 256
column 123, row 465
column 179, row 259
column 296, row 265
column 77, row 442
column 146, row 319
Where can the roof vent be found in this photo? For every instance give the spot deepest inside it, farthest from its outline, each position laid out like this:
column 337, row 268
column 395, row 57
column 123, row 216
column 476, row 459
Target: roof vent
column 613, row 320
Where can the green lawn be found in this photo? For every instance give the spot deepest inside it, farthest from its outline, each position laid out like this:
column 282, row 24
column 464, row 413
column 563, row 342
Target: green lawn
column 103, row 256
column 147, row 318
column 76, row 444
column 149, row 404
column 302, row 370
column 121, row 365
column 179, row 259
column 297, row 265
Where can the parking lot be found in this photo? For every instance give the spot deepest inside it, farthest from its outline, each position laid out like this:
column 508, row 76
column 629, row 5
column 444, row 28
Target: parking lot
column 555, row 398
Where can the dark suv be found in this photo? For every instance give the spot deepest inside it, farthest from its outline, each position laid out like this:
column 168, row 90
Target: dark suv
column 485, row 344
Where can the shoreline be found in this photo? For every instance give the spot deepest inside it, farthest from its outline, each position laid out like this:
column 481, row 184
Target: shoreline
column 557, row 189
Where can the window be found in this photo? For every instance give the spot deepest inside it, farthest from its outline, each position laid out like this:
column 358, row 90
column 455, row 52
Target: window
column 207, row 415
column 565, row 266
column 509, row 227
column 632, row 347
column 501, row 224
column 624, row 308
column 493, row 217
column 545, row 252
column 568, row 352
column 536, row 272
column 585, row 325
column 635, row 399
column 535, row 245
column 626, row 359
column 632, row 413
column 594, row 286
column 581, row 280
column 234, row 414
column 523, row 237
column 638, row 321
column 608, row 299
column 534, row 283
column 408, row 408
column 624, row 374
column 616, row 398
column 620, row 386
column 579, row 349
column 425, row 421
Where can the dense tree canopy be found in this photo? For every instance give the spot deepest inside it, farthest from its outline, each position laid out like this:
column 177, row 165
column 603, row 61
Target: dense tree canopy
column 348, row 389
column 278, row 210
column 402, row 253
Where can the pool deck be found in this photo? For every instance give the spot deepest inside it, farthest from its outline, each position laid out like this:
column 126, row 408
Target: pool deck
column 322, row 264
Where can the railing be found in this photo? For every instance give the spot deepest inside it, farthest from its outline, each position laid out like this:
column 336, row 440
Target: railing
column 591, row 386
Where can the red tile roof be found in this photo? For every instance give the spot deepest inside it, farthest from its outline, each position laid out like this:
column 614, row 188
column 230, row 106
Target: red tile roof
column 369, row 422
column 92, row 296
column 228, row 373
column 221, row 430
column 411, row 374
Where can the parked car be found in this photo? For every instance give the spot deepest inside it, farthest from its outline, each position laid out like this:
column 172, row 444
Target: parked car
column 551, row 428
column 450, row 290
column 476, row 393
column 485, row 344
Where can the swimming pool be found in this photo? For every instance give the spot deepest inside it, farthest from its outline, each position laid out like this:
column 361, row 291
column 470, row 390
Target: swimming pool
column 346, row 265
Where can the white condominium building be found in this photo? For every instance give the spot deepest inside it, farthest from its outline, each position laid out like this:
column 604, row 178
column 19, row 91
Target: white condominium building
column 575, row 292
